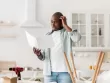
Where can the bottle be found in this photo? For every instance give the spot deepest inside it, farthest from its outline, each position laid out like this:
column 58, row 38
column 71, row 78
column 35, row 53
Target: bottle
column 100, row 32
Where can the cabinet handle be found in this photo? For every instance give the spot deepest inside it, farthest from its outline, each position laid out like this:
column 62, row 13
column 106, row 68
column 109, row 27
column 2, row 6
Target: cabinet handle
column 78, row 21
column 96, row 21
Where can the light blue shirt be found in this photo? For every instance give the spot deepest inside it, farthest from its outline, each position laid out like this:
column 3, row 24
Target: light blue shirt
column 67, row 39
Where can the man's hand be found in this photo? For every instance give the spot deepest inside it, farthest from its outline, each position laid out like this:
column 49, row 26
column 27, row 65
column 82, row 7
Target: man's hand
column 37, row 51
column 63, row 19
column 64, row 23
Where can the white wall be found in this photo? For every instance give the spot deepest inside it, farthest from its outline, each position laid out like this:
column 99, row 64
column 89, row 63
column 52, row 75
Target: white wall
column 12, row 10
column 48, row 7
column 18, row 49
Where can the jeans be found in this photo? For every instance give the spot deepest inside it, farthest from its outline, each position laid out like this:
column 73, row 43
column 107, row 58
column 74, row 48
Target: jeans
column 58, row 77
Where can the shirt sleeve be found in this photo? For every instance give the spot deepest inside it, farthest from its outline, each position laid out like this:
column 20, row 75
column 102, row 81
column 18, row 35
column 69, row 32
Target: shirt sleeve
column 42, row 56
column 75, row 35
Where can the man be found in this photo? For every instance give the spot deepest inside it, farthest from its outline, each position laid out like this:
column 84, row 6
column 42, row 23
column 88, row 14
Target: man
column 55, row 69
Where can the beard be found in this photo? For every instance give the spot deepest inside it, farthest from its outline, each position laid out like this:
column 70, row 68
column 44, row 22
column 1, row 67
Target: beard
column 56, row 29
column 49, row 33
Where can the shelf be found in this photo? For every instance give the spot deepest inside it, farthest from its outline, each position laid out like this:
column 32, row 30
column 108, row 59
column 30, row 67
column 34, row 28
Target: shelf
column 80, row 24
column 97, row 35
column 100, row 36
column 8, row 36
column 97, row 24
column 83, row 35
column 91, row 49
column 3, row 23
column 8, row 25
column 94, row 35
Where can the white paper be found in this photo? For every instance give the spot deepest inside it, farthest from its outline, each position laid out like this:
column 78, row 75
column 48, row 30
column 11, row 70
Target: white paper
column 31, row 40
column 40, row 42
column 38, row 31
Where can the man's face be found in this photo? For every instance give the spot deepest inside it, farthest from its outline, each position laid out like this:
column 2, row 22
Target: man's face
column 56, row 23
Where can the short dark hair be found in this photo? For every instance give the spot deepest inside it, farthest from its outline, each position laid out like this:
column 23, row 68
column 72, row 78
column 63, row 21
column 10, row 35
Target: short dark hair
column 57, row 14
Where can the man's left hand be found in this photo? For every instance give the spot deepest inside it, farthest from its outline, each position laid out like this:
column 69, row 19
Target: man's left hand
column 63, row 19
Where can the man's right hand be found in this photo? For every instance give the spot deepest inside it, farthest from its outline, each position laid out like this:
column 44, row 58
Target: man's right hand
column 37, row 51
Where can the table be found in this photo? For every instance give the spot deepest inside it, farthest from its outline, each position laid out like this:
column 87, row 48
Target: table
column 31, row 75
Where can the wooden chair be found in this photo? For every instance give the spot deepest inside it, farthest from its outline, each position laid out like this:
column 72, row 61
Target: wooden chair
column 73, row 74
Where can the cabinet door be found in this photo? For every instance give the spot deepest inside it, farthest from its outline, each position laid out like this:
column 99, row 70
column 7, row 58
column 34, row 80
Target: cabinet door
column 97, row 30
column 79, row 23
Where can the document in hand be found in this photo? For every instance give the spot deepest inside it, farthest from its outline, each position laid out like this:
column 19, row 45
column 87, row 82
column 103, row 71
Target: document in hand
column 40, row 42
